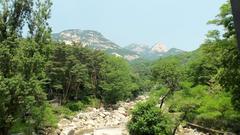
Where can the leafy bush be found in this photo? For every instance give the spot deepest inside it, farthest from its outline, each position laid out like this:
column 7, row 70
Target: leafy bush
column 44, row 116
column 75, row 106
column 200, row 105
column 149, row 120
column 187, row 100
column 49, row 117
column 63, row 111
column 116, row 83
column 93, row 102
column 217, row 111
column 18, row 127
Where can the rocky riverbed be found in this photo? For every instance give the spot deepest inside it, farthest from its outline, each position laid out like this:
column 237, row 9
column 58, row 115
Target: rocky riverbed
column 106, row 122
column 99, row 121
column 188, row 131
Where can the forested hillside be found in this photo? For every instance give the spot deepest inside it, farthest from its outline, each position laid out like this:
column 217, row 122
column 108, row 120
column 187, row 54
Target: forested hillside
column 36, row 72
column 200, row 87
column 43, row 81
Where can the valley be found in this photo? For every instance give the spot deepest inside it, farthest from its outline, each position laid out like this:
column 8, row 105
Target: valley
column 100, row 121
column 79, row 82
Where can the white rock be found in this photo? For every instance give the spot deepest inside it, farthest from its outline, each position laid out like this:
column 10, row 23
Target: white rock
column 75, row 119
column 63, row 123
column 102, row 115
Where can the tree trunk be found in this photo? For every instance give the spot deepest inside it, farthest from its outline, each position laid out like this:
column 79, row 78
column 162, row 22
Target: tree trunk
column 179, row 122
column 163, row 99
column 94, row 83
column 236, row 13
column 4, row 131
column 65, row 97
column 77, row 91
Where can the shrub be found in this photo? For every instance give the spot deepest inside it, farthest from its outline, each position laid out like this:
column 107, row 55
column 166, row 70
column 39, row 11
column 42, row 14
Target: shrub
column 149, row 120
column 93, row 102
column 75, row 106
column 49, row 117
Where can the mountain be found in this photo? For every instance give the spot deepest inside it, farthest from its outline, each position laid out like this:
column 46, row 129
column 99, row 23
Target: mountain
column 159, row 48
column 173, row 51
column 95, row 40
column 154, row 52
column 140, row 49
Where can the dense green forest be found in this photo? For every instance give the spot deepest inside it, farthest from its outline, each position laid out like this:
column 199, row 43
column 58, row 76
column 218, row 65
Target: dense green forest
column 201, row 87
column 36, row 71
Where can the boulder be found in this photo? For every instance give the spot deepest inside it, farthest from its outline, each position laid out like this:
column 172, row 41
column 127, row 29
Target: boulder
column 71, row 132
column 63, row 123
column 102, row 115
column 75, row 119
column 68, row 132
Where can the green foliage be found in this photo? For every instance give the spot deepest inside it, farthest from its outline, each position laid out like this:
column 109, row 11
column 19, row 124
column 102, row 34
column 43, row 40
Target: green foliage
column 209, row 95
column 155, row 94
column 141, row 76
column 229, row 74
column 22, row 80
column 68, row 73
column 75, row 106
column 149, row 120
column 22, row 64
column 217, row 111
column 92, row 102
column 116, row 83
column 49, row 117
column 225, row 19
column 34, row 68
column 187, row 100
column 204, row 68
column 208, row 108
column 76, row 73
column 63, row 111
column 167, row 73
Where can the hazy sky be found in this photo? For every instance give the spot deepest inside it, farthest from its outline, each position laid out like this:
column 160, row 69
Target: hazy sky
column 176, row 23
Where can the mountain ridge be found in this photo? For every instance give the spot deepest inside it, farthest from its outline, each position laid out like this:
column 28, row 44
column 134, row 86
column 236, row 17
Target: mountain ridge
column 153, row 52
column 95, row 40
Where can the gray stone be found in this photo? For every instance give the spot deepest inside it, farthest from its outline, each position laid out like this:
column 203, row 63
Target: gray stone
column 71, row 132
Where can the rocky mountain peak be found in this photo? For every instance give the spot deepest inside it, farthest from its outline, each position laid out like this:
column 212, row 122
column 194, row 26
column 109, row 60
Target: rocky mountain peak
column 95, row 40
column 159, row 48
column 90, row 38
column 138, row 48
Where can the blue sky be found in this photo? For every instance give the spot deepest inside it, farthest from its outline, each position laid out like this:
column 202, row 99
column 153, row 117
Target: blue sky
column 179, row 24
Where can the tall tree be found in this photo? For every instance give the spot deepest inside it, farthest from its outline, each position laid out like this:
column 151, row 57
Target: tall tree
column 115, row 80
column 22, row 64
column 229, row 72
column 167, row 74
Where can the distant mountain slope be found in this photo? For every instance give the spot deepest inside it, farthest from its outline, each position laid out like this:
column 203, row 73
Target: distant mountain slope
column 173, row 51
column 138, row 48
column 95, row 40
column 89, row 38
column 154, row 52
